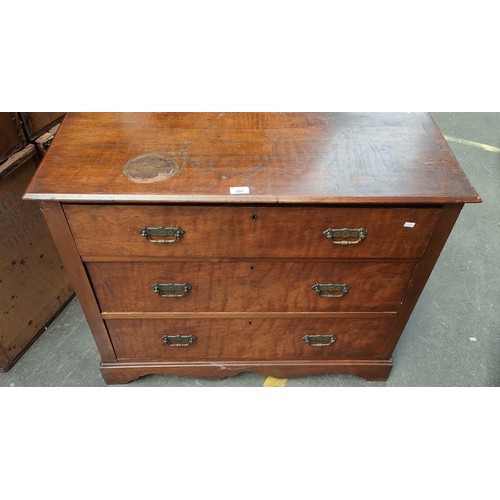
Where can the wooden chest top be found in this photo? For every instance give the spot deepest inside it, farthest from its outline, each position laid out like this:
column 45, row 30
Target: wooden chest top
column 340, row 158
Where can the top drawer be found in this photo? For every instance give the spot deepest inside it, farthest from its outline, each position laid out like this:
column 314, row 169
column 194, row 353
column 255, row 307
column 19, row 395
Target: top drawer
column 246, row 231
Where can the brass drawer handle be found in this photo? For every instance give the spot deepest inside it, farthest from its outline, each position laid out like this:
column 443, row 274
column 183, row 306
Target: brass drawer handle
column 333, row 235
column 321, row 288
column 158, row 234
column 319, row 340
column 178, row 340
column 182, row 288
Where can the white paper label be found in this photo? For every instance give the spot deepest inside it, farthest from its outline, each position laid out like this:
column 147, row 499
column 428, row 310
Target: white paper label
column 239, row 190
column 409, row 224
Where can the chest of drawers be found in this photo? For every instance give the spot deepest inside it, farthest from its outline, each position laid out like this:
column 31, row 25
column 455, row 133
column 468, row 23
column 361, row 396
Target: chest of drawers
column 209, row 244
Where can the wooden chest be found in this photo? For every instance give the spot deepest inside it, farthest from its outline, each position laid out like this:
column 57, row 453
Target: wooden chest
column 208, row 244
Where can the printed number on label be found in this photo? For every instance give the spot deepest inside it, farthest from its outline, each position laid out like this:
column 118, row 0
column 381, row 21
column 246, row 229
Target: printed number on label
column 239, row 190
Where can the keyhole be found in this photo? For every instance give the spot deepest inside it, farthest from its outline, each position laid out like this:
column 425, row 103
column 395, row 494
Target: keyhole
column 252, row 268
column 249, row 323
column 254, row 218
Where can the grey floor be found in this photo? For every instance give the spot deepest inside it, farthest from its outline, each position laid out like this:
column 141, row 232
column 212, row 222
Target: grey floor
column 452, row 338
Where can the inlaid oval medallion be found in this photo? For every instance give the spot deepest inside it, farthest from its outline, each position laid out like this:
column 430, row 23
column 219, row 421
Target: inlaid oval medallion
column 150, row 168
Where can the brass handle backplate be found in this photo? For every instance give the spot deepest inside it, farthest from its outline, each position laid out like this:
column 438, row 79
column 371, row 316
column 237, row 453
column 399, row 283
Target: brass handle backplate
column 178, row 340
column 344, row 235
column 321, row 288
column 161, row 234
column 165, row 290
column 319, row 340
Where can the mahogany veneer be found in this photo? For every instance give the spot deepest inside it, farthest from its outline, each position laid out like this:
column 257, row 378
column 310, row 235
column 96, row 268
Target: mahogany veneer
column 297, row 243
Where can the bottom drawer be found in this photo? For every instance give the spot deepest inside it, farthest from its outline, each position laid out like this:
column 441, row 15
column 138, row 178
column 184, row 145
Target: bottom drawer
column 247, row 339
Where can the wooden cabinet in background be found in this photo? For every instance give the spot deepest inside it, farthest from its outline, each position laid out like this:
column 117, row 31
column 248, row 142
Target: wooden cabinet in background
column 36, row 123
column 33, row 283
column 12, row 138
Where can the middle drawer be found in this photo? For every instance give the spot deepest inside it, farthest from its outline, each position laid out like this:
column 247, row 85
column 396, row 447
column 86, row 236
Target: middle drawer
column 260, row 286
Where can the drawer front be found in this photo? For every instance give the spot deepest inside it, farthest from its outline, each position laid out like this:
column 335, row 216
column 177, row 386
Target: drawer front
column 274, row 232
column 268, row 286
column 247, row 339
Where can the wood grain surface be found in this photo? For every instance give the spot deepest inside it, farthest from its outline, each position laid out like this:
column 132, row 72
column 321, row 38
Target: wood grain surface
column 54, row 216
column 224, row 231
column 278, row 286
column 124, row 372
column 279, row 157
column 247, row 339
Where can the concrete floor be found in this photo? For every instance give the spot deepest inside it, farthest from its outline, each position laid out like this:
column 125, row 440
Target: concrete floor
column 452, row 338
